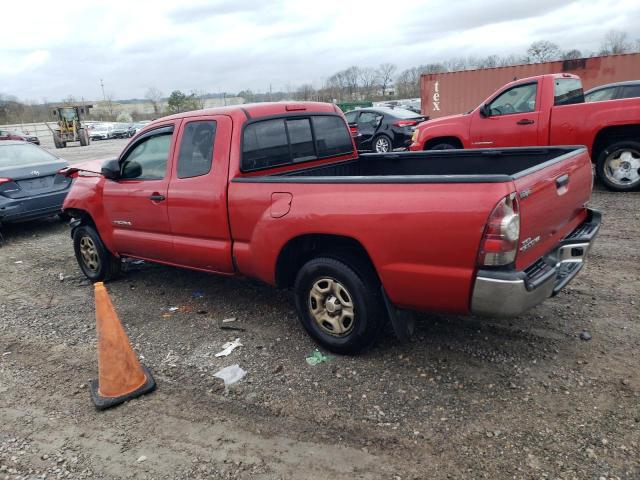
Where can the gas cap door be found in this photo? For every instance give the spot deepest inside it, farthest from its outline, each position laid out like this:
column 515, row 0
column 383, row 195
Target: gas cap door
column 280, row 204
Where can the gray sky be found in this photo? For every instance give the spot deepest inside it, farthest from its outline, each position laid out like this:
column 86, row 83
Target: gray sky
column 231, row 45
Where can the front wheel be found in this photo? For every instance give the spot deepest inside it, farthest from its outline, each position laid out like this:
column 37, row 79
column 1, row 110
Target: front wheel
column 618, row 166
column 339, row 307
column 382, row 144
column 95, row 261
column 443, row 146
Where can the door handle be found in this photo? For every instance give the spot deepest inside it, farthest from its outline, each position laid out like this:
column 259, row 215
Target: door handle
column 525, row 121
column 562, row 180
column 156, row 197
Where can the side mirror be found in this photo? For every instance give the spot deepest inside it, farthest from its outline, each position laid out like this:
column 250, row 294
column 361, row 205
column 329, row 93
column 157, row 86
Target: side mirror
column 111, row 169
column 485, row 111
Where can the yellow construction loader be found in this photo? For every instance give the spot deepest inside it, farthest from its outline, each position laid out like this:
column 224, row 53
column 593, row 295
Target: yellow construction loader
column 70, row 127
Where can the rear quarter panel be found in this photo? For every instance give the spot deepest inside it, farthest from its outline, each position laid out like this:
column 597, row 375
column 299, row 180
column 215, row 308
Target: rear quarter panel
column 422, row 238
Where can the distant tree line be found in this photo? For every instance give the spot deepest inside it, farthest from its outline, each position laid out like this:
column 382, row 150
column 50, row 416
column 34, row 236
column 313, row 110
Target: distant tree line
column 353, row 83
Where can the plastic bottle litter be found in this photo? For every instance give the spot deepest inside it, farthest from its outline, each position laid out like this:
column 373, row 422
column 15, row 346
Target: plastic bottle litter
column 229, row 347
column 230, row 374
column 317, row 357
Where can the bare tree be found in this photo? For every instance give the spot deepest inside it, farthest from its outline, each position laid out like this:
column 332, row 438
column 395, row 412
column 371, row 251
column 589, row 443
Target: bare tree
column 155, row 97
column 615, row 42
column 198, row 99
column 305, row 92
column 109, row 105
column 368, row 79
column 352, row 77
column 386, row 72
column 543, row 51
column 455, row 64
column 571, row 54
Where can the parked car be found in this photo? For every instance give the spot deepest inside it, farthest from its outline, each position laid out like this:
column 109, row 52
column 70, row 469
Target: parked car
column 613, row 91
column 290, row 202
column 547, row 110
column 22, row 136
column 121, row 130
column 101, row 131
column 383, row 129
column 30, row 185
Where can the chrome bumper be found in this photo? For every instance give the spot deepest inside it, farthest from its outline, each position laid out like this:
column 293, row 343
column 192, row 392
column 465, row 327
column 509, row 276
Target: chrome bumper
column 500, row 293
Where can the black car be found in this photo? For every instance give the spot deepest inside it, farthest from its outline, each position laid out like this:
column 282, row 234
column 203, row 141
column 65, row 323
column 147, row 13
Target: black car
column 383, row 129
column 122, row 130
column 613, row 91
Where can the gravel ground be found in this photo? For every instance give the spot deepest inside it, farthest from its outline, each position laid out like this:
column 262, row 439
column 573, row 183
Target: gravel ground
column 465, row 398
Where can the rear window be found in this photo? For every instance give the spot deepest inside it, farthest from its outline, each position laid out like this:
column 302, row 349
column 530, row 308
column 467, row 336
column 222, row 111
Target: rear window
column 23, row 154
column 282, row 141
column 567, row 91
column 631, row 91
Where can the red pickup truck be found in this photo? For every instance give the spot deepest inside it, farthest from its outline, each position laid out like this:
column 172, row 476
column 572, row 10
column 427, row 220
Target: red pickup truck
column 547, row 110
column 278, row 192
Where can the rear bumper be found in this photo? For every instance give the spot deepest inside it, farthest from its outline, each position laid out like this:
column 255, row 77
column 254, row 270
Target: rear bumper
column 18, row 210
column 510, row 293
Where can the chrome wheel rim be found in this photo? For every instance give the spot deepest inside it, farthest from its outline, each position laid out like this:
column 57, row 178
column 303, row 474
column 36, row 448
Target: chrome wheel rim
column 331, row 307
column 622, row 167
column 89, row 254
column 382, row 145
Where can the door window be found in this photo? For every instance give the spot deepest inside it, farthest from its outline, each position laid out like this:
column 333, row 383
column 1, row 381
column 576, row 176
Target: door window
column 351, row 116
column 370, row 119
column 601, row 95
column 567, row 91
column 332, row 136
column 196, row 149
column 148, row 159
column 631, row 91
column 265, row 145
column 520, row 99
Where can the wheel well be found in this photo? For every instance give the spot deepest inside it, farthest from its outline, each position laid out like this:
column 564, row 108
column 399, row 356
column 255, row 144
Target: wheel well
column 434, row 141
column 301, row 249
column 608, row 135
column 82, row 215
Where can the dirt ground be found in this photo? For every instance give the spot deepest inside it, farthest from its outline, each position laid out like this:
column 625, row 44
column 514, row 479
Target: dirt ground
column 466, row 398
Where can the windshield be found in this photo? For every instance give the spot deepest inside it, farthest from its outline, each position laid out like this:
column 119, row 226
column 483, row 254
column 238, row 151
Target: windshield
column 23, row 154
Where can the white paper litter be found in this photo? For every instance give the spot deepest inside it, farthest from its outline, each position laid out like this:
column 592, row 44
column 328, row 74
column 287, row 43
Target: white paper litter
column 229, row 347
column 173, row 309
column 229, row 320
column 230, row 374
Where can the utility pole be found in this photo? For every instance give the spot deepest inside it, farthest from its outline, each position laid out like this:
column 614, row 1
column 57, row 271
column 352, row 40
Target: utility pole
column 270, row 97
column 104, row 97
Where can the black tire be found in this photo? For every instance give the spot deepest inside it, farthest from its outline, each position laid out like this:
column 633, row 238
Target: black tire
column 64, row 217
column 382, row 144
column 626, row 177
column 58, row 142
column 105, row 266
column 84, row 137
column 358, row 288
column 443, row 146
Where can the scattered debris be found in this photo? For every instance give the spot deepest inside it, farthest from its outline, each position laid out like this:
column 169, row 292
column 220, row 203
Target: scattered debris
column 18, row 262
column 278, row 369
column 229, row 347
column 141, row 458
column 585, row 335
column 225, row 324
column 228, row 320
column 61, row 277
column 6, row 353
column 230, row 374
column 317, row 357
column 173, row 309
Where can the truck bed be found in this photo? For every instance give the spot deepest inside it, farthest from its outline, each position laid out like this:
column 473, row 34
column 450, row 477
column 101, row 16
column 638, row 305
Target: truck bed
column 436, row 166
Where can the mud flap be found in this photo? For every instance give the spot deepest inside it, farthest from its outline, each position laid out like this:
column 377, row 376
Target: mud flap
column 402, row 321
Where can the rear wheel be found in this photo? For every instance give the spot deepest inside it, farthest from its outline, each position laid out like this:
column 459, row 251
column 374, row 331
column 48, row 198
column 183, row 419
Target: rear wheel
column 382, row 144
column 339, row 307
column 618, row 166
column 95, row 261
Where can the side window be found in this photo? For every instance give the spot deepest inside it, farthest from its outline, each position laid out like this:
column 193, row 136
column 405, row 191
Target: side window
column 520, row 99
column 148, row 159
column 631, row 91
column 264, row 144
column 370, row 118
column 601, row 95
column 332, row 136
column 196, row 149
column 567, row 91
column 351, row 116
column 301, row 139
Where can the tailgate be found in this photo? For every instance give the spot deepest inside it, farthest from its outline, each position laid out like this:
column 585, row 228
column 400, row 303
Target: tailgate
column 551, row 196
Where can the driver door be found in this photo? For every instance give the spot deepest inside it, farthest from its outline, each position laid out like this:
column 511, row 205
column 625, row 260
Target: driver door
column 136, row 204
column 513, row 119
column 368, row 124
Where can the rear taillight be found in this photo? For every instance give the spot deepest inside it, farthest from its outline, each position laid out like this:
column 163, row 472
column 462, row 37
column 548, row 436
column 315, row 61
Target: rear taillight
column 354, row 131
column 405, row 123
column 501, row 235
column 5, row 180
column 68, row 172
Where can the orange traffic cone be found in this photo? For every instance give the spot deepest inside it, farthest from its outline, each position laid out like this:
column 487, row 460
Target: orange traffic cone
column 120, row 375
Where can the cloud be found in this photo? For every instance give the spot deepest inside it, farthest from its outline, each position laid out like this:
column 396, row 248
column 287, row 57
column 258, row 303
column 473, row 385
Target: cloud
column 230, row 45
